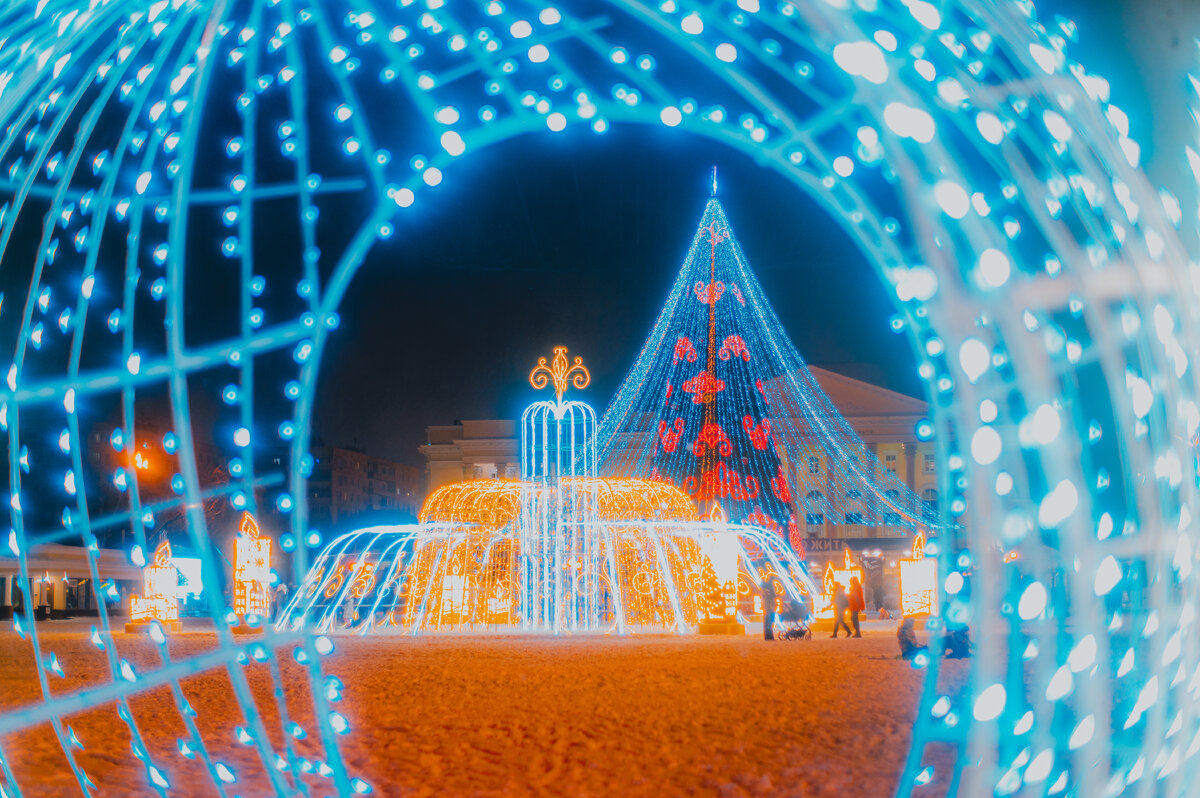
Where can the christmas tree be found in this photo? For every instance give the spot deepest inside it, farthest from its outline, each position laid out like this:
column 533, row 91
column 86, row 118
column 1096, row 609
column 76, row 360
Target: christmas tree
column 720, row 403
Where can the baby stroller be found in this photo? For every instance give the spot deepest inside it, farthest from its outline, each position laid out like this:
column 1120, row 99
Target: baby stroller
column 793, row 617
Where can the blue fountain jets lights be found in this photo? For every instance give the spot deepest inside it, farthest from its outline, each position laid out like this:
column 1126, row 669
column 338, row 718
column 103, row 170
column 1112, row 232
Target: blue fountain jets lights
column 989, row 177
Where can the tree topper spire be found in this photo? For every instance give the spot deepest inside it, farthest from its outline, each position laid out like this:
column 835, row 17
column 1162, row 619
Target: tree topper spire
column 714, row 181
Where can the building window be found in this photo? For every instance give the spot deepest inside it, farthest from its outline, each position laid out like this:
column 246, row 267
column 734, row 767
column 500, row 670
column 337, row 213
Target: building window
column 930, row 464
column 814, row 505
column 929, row 504
column 814, row 465
column 889, row 461
column 854, row 518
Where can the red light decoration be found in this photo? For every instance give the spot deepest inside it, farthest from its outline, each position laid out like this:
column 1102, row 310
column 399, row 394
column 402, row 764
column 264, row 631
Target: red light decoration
column 733, row 346
column 759, row 433
column 685, row 350
column 670, row 439
column 710, row 294
column 714, row 438
column 779, row 486
column 705, row 386
column 252, row 570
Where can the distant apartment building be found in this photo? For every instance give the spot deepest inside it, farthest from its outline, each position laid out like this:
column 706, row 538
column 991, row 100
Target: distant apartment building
column 346, row 484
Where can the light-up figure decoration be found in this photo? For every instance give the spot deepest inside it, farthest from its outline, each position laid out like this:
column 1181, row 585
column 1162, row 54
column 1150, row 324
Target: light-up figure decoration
column 159, row 599
column 559, row 551
column 918, row 582
column 251, row 572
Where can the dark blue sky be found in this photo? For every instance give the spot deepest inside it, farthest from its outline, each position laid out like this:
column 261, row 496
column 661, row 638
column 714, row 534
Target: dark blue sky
column 576, row 239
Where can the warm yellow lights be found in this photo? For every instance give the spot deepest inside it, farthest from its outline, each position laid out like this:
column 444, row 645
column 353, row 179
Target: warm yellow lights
column 252, row 570
column 837, row 576
column 656, row 574
column 918, row 582
column 560, row 373
column 158, row 601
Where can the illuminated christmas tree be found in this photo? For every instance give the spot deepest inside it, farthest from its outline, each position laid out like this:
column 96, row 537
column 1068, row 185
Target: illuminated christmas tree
column 720, row 403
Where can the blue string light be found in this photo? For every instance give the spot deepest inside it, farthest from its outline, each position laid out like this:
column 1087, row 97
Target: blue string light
column 987, row 175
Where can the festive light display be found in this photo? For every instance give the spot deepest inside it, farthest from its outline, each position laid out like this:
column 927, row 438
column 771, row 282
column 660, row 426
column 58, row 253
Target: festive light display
column 251, row 571
column 721, row 404
column 991, row 179
column 833, row 577
column 918, row 582
column 561, row 550
column 159, row 600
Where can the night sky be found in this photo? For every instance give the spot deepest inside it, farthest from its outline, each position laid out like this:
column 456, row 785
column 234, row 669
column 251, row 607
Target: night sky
column 576, row 239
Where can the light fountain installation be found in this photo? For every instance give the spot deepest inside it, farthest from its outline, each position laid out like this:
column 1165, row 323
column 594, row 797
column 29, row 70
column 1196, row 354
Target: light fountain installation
column 561, row 550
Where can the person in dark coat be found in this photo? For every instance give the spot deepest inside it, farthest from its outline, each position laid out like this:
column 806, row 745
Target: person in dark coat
column 840, row 603
column 768, row 603
column 856, row 604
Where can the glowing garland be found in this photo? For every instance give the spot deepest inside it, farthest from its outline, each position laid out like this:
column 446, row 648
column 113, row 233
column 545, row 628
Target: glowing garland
column 988, row 176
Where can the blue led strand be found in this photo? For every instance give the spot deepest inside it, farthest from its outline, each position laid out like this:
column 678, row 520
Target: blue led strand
column 198, row 536
column 1021, row 154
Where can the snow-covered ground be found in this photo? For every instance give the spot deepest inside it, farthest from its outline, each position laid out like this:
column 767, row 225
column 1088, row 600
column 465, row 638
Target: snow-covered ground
column 509, row 716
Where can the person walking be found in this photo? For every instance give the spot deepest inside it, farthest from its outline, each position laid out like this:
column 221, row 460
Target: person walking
column 768, row 602
column 856, row 604
column 840, row 603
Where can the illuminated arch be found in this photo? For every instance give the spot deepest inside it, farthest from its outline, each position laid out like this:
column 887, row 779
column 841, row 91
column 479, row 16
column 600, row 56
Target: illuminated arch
column 1001, row 202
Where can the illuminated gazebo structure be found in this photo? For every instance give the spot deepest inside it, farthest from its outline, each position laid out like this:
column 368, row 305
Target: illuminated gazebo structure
column 561, row 550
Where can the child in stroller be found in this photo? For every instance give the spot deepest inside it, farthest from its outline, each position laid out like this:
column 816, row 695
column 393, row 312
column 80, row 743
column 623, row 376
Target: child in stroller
column 793, row 617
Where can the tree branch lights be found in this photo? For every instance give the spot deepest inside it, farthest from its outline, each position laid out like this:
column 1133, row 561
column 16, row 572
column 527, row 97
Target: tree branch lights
column 721, row 403
column 989, row 176
column 918, row 582
column 159, row 600
column 251, row 572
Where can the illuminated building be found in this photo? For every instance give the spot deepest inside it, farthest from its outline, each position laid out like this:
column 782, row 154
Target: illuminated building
column 560, row 550
column 61, row 580
column 159, row 599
